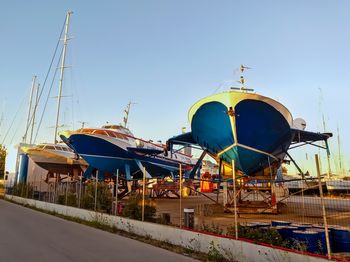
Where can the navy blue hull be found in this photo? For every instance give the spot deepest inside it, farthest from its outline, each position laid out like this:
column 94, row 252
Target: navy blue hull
column 108, row 157
column 262, row 137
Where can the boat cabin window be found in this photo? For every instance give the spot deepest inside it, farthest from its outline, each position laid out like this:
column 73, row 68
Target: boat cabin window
column 120, row 136
column 119, row 128
column 99, row 132
column 110, row 133
column 111, row 127
column 85, row 130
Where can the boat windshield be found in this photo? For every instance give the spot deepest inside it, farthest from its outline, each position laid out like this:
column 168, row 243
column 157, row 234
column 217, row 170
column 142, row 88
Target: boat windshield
column 119, row 129
column 107, row 132
column 55, row 147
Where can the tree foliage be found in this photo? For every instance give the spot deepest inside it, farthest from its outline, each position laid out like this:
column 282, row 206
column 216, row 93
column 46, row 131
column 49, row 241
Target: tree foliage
column 133, row 208
column 3, row 154
column 104, row 197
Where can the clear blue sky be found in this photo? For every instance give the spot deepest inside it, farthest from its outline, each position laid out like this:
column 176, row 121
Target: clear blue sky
column 165, row 55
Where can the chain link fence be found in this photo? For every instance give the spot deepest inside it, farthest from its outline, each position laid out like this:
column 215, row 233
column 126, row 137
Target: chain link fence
column 292, row 213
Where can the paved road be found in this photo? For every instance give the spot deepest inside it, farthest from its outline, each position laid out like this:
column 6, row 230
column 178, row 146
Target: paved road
column 28, row 235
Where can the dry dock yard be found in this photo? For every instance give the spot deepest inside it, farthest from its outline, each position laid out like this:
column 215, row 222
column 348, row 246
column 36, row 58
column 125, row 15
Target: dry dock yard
column 291, row 209
column 237, row 206
column 158, row 131
column 210, row 223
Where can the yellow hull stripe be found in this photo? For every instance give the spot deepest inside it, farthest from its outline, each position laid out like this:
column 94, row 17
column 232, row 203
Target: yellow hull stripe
column 232, row 98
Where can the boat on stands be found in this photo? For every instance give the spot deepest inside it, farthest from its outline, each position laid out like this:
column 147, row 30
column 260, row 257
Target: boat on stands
column 114, row 147
column 338, row 185
column 250, row 129
column 56, row 158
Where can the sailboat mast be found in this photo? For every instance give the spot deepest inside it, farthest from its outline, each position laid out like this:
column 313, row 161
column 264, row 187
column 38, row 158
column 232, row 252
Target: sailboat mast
column 328, row 156
column 34, row 112
column 29, row 108
column 65, row 42
column 339, row 152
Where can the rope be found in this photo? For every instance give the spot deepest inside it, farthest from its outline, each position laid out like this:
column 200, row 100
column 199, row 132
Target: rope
column 47, row 99
column 46, row 77
column 13, row 120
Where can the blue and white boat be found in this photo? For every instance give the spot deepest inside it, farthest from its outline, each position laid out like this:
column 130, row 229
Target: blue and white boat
column 114, row 147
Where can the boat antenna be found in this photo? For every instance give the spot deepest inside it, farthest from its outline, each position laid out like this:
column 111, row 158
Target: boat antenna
column 242, row 68
column 83, row 123
column 241, row 80
column 127, row 111
column 65, row 42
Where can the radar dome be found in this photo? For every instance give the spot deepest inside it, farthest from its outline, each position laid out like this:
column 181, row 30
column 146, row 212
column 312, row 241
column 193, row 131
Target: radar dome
column 299, row 123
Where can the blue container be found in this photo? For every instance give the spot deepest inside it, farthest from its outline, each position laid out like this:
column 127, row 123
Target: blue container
column 341, row 240
column 302, row 226
column 321, row 240
column 307, row 225
column 23, row 168
column 318, row 226
column 309, row 238
column 286, row 232
column 276, row 223
column 251, row 225
column 262, row 224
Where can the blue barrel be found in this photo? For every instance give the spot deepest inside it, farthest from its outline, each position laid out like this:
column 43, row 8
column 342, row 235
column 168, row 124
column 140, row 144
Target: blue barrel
column 306, row 225
column 280, row 230
column 23, row 168
column 276, row 223
column 321, row 239
column 262, row 224
column 318, row 226
column 302, row 226
column 286, row 232
column 341, row 239
column 251, row 225
column 309, row 238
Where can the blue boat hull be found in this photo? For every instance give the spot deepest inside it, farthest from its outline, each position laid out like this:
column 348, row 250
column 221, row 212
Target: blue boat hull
column 108, row 157
column 252, row 133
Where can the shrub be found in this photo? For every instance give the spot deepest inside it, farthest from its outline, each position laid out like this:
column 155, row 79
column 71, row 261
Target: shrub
column 264, row 235
column 71, row 199
column 133, row 208
column 215, row 229
column 163, row 219
column 104, row 197
column 22, row 190
column 214, row 254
